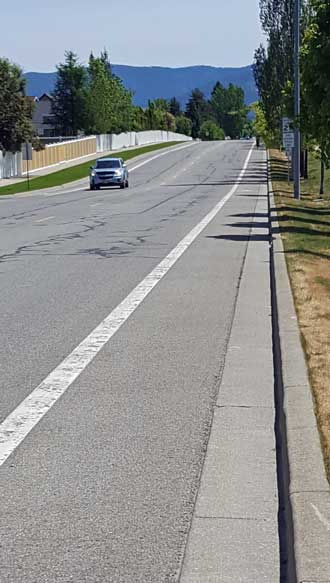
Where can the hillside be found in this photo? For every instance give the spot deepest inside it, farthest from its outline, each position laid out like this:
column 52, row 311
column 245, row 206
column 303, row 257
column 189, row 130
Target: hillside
column 152, row 82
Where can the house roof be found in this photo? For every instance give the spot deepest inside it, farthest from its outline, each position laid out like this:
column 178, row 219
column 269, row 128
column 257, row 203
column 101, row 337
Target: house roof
column 45, row 95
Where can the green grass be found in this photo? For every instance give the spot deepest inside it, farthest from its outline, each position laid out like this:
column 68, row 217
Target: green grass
column 312, row 185
column 304, row 224
column 309, row 187
column 75, row 172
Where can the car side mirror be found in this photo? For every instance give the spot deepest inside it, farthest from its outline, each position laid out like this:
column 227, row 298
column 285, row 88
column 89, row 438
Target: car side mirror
column 91, row 167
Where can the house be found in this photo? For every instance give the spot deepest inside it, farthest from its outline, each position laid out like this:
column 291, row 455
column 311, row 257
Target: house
column 42, row 116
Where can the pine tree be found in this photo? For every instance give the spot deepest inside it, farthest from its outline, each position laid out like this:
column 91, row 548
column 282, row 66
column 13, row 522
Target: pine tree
column 70, row 96
column 175, row 107
column 198, row 111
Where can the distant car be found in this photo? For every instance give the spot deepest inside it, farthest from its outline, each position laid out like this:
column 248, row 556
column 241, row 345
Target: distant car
column 108, row 172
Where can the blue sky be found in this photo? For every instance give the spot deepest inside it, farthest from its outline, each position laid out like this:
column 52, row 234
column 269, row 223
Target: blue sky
column 136, row 32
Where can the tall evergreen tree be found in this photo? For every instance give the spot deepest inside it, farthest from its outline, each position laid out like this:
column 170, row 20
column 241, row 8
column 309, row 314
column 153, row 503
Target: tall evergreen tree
column 197, row 110
column 175, row 107
column 105, row 59
column 122, row 106
column 69, row 96
column 99, row 107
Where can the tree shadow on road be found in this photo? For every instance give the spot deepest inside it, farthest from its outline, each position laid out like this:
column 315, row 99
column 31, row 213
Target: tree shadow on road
column 247, row 237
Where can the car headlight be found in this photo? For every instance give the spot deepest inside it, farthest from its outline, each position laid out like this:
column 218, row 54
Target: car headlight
column 118, row 172
column 93, row 173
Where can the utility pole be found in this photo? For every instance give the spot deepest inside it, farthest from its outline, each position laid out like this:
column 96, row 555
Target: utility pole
column 296, row 161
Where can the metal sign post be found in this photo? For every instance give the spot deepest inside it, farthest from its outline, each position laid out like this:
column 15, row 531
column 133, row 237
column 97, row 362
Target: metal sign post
column 297, row 144
column 27, row 156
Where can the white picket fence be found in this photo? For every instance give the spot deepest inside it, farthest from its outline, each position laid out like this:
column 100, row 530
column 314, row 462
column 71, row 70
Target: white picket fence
column 11, row 165
column 110, row 142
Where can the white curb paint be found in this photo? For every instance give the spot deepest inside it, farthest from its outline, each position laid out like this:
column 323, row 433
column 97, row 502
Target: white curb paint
column 23, row 419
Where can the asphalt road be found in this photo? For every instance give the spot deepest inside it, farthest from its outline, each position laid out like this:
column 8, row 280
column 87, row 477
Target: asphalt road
column 104, row 486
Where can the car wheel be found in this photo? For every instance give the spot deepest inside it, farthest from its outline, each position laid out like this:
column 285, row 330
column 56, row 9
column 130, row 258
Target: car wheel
column 97, row 187
column 127, row 184
column 92, row 187
column 122, row 185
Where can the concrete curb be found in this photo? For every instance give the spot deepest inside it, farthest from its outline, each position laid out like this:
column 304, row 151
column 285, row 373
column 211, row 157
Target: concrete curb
column 306, row 493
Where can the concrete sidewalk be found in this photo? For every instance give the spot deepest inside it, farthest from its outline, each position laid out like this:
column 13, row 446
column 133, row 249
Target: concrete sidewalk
column 234, row 535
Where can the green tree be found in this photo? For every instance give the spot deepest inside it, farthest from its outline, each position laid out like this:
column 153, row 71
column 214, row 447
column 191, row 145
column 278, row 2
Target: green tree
column 109, row 104
column 15, row 109
column 273, row 66
column 70, row 96
column 158, row 115
column 155, row 117
column 170, row 122
column 122, row 106
column 99, row 106
column 183, row 125
column 259, row 124
column 211, row 131
column 219, row 102
column 315, row 59
column 175, row 107
column 138, row 119
column 197, row 110
column 104, row 57
column 229, row 110
column 162, row 104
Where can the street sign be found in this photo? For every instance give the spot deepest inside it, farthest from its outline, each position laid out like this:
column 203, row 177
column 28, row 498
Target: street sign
column 27, row 155
column 288, row 142
column 287, row 135
column 27, row 151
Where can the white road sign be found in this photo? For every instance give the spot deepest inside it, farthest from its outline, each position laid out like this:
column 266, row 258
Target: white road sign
column 287, row 135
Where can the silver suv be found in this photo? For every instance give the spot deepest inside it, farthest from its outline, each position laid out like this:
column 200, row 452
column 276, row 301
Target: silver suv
column 108, row 172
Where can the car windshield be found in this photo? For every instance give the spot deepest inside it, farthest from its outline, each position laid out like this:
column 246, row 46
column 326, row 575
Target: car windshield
column 108, row 164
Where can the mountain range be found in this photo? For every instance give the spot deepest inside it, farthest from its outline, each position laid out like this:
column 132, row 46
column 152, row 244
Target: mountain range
column 152, row 82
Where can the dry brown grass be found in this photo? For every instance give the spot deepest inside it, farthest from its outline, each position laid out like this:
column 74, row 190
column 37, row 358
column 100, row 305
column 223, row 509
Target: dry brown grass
column 311, row 287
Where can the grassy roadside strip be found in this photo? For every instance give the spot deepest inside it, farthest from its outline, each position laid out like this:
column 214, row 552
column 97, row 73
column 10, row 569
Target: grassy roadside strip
column 60, row 177
column 305, row 231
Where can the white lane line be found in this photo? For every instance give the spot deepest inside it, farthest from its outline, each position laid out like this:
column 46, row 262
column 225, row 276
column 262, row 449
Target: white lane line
column 44, row 219
column 23, row 419
column 160, row 156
